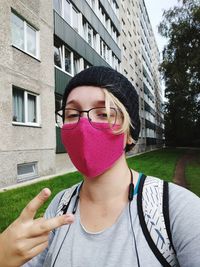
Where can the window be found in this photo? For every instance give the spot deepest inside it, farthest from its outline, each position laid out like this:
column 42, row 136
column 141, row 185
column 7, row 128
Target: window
column 128, row 15
column 102, row 15
column 75, row 18
column 26, row 171
column 24, row 36
column 115, row 7
column 103, row 49
column 67, row 11
column 124, row 48
column 76, row 62
column 86, row 64
column 115, row 63
column 89, row 34
column 91, row 3
column 25, row 107
column 125, row 72
column 114, row 34
column 57, row 56
column 65, row 59
column 58, row 105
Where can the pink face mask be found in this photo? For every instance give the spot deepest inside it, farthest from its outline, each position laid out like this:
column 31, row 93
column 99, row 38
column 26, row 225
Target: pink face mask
column 92, row 150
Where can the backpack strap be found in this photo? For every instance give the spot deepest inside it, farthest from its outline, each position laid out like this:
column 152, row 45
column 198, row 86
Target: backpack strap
column 166, row 212
column 66, row 199
column 153, row 209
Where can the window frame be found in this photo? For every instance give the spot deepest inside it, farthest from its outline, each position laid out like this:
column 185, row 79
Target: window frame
column 38, row 115
column 25, row 27
column 62, row 48
column 70, row 20
column 28, row 175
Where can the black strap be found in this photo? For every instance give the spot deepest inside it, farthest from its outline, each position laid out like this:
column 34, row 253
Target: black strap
column 65, row 207
column 166, row 211
column 145, row 230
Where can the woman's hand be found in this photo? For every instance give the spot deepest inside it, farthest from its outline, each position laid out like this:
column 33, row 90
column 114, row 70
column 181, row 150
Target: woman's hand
column 26, row 237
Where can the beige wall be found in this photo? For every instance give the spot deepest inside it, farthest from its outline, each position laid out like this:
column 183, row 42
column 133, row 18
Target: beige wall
column 22, row 144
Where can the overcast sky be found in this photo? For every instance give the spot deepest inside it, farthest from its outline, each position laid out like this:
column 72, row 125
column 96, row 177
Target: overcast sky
column 155, row 10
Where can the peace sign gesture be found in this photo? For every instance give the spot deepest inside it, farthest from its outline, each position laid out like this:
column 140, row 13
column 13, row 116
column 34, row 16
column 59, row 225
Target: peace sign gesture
column 26, row 237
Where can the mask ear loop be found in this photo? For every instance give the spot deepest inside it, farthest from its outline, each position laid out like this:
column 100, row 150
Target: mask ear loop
column 130, row 198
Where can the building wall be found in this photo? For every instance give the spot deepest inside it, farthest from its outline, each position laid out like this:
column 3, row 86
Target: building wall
column 140, row 61
column 131, row 65
column 19, row 143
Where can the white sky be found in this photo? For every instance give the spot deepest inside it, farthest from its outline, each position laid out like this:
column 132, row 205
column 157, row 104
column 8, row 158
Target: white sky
column 155, row 10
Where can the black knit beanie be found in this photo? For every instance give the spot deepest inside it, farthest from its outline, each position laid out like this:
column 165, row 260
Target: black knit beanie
column 115, row 83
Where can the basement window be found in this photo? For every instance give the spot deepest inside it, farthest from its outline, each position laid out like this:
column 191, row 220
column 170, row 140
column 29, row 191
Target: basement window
column 27, row 171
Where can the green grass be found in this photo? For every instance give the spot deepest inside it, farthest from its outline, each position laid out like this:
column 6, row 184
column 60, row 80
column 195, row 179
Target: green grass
column 160, row 163
column 13, row 201
column 193, row 174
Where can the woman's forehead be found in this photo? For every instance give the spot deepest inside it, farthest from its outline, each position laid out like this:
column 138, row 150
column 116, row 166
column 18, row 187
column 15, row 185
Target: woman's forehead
column 86, row 92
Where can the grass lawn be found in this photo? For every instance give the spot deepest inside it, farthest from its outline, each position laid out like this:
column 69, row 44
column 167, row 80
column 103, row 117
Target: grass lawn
column 160, row 163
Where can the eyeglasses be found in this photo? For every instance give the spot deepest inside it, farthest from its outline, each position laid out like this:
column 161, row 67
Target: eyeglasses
column 99, row 118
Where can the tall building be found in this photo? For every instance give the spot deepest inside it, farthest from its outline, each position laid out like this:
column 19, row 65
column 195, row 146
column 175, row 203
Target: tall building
column 45, row 43
column 140, row 62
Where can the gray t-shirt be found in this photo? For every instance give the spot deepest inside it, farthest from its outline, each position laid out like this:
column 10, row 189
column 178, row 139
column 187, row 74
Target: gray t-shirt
column 75, row 247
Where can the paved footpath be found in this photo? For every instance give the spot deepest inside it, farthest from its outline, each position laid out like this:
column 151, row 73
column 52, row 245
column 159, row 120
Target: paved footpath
column 179, row 174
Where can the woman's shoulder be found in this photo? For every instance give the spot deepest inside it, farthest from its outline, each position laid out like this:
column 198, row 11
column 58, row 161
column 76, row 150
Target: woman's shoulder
column 52, row 209
column 181, row 194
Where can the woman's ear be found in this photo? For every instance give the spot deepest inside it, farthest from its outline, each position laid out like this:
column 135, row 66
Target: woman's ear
column 130, row 140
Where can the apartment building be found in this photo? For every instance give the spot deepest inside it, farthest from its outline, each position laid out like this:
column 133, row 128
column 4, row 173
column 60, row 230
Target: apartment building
column 140, row 61
column 45, row 43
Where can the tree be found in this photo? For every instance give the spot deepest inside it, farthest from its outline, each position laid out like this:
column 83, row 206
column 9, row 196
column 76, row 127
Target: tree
column 180, row 69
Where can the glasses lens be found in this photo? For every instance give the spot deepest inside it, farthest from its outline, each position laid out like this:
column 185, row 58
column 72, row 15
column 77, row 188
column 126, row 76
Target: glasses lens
column 71, row 118
column 102, row 118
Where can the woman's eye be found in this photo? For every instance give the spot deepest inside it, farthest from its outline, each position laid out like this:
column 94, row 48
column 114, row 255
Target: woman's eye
column 71, row 116
column 103, row 115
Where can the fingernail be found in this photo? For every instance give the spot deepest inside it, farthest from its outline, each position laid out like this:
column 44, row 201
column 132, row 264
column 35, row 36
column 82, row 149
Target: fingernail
column 46, row 192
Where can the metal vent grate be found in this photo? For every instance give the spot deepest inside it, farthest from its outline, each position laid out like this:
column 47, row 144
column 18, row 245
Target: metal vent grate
column 27, row 171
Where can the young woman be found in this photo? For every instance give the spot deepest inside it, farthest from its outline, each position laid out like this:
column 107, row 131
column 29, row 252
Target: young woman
column 102, row 227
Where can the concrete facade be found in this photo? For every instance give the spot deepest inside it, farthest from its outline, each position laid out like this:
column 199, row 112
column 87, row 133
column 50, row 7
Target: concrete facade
column 140, row 62
column 22, row 144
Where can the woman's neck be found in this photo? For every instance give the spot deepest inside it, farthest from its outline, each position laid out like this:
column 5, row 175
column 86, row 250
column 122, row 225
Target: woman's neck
column 111, row 185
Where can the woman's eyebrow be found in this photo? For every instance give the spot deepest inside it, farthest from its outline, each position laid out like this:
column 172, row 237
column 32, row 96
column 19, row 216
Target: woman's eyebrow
column 97, row 102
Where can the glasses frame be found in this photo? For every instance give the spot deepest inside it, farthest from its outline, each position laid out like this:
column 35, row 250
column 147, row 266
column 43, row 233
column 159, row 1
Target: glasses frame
column 84, row 111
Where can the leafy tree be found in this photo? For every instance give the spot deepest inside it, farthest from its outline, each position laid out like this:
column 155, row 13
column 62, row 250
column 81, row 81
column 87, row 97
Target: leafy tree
column 181, row 71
